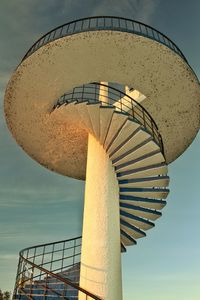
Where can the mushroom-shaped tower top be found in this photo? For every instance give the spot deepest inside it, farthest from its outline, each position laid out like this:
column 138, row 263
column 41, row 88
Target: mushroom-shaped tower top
column 109, row 49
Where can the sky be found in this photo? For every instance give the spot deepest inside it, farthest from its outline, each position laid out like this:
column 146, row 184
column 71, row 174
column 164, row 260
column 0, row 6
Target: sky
column 38, row 206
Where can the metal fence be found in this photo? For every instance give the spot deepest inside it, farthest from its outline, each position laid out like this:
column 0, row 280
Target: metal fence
column 121, row 102
column 104, row 23
column 50, row 271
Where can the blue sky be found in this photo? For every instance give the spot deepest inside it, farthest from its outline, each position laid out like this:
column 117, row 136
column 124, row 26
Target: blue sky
column 37, row 205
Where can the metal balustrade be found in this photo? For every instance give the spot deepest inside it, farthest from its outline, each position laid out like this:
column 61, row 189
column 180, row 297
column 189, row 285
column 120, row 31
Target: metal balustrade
column 104, row 23
column 122, row 102
column 42, row 266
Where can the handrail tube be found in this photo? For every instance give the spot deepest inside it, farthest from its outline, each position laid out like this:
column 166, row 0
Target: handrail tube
column 55, row 251
column 49, row 244
column 66, row 281
column 30, row 270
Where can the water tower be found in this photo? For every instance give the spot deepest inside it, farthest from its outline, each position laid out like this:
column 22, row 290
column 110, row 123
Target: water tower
column 110, row 101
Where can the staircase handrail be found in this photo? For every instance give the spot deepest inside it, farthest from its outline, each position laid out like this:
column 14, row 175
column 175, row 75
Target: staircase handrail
column 64, row 280
column 27, row 265
column 82, row 94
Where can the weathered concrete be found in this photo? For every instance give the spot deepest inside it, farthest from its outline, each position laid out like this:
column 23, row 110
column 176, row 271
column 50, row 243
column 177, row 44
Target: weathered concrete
column 101, row 250
column 171, row 88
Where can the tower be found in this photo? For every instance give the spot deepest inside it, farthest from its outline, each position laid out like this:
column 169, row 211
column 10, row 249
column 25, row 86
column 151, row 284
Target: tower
column 65, row 110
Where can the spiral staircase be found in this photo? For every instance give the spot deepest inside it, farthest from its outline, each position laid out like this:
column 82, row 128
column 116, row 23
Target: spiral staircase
column 115, row 117
column 130, row 137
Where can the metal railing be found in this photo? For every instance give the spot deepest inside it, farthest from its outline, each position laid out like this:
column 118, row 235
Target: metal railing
column 51, row 269
column 95, row 92
column 104, row 23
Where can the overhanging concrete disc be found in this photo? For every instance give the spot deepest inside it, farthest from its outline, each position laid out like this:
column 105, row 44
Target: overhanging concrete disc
column 58, row 142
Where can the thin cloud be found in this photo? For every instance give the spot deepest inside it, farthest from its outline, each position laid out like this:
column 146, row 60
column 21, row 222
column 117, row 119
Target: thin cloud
column 8, row 257
column 13, row 197
column 134, row 9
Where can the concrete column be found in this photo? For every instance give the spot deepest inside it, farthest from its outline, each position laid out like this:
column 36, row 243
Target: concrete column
column 101, row 249
column 103, row 92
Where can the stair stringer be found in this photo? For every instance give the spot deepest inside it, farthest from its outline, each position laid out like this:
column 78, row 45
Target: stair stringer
column 139, row 164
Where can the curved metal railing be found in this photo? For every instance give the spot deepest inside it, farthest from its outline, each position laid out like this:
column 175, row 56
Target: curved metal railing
column 95, row 92
column 104, row 23
column 50, row 270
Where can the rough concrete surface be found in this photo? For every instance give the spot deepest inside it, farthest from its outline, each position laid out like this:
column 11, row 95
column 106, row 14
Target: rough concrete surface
column 60, row 143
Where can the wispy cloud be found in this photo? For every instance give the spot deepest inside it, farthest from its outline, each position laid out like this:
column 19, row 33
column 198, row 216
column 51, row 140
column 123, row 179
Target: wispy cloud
column 8, row 256
column 11, row 197
column 134, row 9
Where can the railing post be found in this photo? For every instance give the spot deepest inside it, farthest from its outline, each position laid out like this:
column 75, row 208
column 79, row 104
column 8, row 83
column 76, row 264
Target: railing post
column 45, row 288
column 54, row 34
column 103, row 92
column 49, row 35
column 63, row 252
column 140, row 27
column 74, row 251
column 74, row 26
column 144, row 118
column 152, row 128
column 52, row 253
column 61, row 31
column 42, row 260
column 31, row 280
column 82, row 24
column 133, row 111
column 83, row 91
column 17, row 278
column 126, row 24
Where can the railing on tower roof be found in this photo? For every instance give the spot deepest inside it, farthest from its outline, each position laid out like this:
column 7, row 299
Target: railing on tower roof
column 104, row 23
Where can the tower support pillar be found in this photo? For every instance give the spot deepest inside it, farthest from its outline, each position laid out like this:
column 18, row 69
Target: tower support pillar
column 101, row 249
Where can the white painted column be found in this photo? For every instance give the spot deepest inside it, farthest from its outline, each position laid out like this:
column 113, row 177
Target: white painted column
column 101, row 250
column 103, row 92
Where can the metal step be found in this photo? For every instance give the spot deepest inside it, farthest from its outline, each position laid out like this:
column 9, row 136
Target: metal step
column 143, row 202
column 140, row 211
column 147, row 160
column 138, row 136
column 127, row 239
column 141, row 149
column 118, row 120
column 136, row 221
column 159, row 193
column 156, row 181
column 151, row 170
column 126, row 131
column 135, row 232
